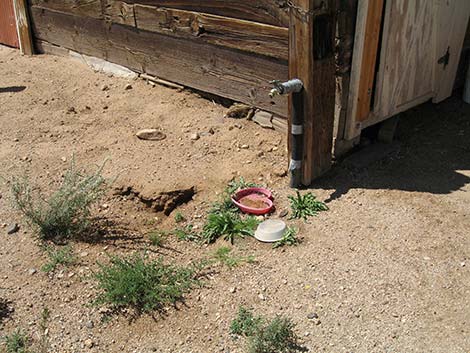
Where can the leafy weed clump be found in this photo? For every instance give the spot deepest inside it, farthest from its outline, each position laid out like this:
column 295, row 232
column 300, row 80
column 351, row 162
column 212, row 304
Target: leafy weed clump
column 289, row 238
column 67, row 212
column 306, row 206
column 187, row 233
column 264, row 336
column 17, row 342
column 223, row 256
column 179, row 217
column 141, row 284
column 229, row 225
column 63, row 256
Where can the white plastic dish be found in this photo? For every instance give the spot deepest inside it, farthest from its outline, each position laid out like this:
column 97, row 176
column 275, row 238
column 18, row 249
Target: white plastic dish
column 270, row 231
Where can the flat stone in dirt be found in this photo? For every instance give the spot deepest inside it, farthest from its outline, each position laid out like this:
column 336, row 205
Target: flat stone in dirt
column 13, row 228
column 150, row 135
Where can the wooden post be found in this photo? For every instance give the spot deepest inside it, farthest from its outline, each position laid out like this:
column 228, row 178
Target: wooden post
column 22, row 26
column 312, row 60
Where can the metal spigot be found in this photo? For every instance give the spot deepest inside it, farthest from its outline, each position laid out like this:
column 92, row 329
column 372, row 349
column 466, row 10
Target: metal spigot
column 281, row 88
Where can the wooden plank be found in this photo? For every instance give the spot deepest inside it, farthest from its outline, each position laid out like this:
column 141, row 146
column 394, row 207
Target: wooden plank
column 451, row 28
column 311, row 59
column 22, row 26
column 232, row 74
column 369, row 59
column 221, row 31
column 8, row 32
column 273, row 12
column 86, row 8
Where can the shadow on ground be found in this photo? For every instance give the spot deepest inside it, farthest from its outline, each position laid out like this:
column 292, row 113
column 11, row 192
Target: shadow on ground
column 431, row 152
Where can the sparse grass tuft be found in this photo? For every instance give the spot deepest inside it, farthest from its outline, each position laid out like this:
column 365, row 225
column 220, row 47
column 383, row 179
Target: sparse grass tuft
column 245, row 324
column 187, row 233
column 289, row 238
column 66, row 213
column 275, row 336
column 142, row 284
column 63, row 256
column 229, row 225
column 17, row 342
column 157, row 238
column 222, row 255
column 179, row 217
column 306, row 206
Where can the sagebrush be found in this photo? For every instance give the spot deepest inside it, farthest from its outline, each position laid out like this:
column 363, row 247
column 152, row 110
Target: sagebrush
column 142, row 284
column 66, row 213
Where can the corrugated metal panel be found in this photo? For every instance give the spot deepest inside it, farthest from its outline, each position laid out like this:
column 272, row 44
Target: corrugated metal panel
column 8, row 33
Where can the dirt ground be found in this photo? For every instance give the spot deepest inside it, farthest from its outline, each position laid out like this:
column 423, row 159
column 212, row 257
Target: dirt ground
column 387, row 269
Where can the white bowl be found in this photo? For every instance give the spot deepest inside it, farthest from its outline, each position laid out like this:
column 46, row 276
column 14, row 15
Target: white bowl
column 270, row 231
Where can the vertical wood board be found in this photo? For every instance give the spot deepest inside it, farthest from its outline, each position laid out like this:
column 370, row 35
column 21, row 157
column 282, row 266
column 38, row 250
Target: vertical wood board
column 8, row 33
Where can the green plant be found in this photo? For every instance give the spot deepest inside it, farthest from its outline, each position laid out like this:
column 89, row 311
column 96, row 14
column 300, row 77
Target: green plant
column 66, row 213
column 277, row 336
column 142, row 284
column 234, row 185
column 157, row 238
column 187, row 233
column 305, row 206
column 58, row 256
column 43, row 344
column 17, row 342
column 179, row 217
column 245, row 324
column 289, row 238
column 229, row 225
column 222, row 255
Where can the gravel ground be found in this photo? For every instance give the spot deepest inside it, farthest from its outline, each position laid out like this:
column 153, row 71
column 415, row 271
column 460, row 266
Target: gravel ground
column 386, row 269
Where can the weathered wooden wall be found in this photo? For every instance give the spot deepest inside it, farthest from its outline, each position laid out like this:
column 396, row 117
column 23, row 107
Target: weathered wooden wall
column 231, row 48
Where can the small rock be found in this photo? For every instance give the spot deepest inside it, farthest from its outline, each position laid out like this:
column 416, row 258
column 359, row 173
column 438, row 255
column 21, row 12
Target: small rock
column 89, row 343
column 312, row 316
column 105, row 88
column 195, row 136
column 232, row 289
column 283, row 213
column 83, row 254
column 244, row 147
column 13, row 228
column 32, row 271
column 128, row 86
column 71, row 110
column 63, row 159
column 90, row 324
column 280, row 173
column 261, row 296
column 151, row 135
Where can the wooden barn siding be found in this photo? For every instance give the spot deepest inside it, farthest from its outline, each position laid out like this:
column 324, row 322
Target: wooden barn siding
column 227, row 56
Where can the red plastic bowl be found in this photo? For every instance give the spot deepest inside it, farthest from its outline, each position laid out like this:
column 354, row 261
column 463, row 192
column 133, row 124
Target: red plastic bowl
column 253, row 196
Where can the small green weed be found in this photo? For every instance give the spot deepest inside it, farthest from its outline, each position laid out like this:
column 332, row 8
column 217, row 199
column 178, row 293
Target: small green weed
column 229, row 225
column 264, row 336
column 179, row 217
column 141, row 284
column 63, row 256
column 235, row 185
column 289, row 238
column 157, row 238
column 277, row 336
column 305, row 206
column 17, row 342
column 245, row 324
column 187, row 233
column 222, row 255
column 67, row 212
